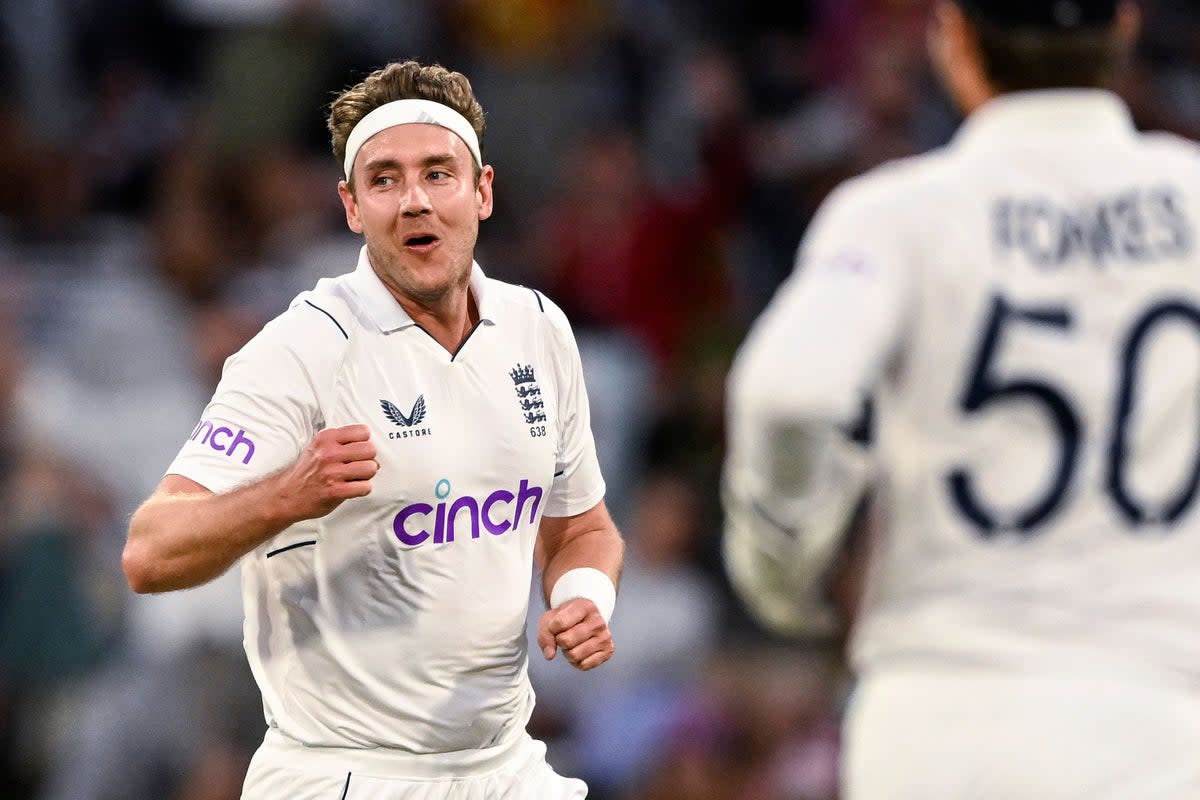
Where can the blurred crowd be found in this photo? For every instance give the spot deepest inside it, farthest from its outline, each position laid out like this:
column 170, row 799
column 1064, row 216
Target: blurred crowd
column 166, row 187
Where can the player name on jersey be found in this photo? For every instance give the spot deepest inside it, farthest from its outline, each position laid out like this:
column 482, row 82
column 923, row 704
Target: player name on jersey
column 1139, row 225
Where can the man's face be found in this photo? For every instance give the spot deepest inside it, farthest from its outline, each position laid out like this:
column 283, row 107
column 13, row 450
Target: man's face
column 417, row 204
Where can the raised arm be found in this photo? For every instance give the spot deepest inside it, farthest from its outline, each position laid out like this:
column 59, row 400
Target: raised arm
column 185, row 535
column 580, row 560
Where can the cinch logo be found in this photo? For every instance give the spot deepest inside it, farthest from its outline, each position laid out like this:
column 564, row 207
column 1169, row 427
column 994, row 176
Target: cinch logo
column 218, row 439
column 498, row 513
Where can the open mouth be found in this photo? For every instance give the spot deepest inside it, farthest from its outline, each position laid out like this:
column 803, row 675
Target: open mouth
column 421, row 240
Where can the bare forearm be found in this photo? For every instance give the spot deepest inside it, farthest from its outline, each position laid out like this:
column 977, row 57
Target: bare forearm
column 181, row 540
column 600, row 548
column 184, row 535
column 579, row 608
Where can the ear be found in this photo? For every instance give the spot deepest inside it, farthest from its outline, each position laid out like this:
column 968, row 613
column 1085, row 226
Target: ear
column 350, row 203
column 483, row 192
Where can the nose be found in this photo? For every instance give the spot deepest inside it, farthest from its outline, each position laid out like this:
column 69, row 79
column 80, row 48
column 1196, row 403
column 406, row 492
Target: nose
column 414, row 201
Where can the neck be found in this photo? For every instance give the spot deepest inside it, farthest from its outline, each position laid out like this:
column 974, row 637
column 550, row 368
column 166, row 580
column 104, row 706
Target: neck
column 954, row 51
column 971, row 88
column 975, row 100
column 449, row 320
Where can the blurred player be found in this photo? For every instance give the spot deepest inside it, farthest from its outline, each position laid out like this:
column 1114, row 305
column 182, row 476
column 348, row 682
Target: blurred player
column 1023, row 309
column 388, row 459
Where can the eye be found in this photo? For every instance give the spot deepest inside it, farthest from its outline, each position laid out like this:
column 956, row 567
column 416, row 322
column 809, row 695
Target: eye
column 437, row 175
column 382, row 180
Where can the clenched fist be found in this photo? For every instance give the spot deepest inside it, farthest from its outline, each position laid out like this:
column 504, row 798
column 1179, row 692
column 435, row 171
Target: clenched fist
column 576, row 628
column 336, row 465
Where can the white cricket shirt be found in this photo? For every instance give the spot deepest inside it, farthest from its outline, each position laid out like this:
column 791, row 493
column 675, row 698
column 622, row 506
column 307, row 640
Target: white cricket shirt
column 398, row 620
column 1024, row 306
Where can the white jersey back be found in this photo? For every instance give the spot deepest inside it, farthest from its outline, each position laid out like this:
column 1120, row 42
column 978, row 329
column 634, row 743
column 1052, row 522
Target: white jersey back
column 1038, row 426
column 398, row 620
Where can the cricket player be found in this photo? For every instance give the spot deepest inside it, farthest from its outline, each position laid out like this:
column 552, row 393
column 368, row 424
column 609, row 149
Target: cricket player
column 387, row 461
column 1020, row 310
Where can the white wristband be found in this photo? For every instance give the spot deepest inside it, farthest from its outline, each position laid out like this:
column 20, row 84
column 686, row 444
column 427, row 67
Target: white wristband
column 588, row 583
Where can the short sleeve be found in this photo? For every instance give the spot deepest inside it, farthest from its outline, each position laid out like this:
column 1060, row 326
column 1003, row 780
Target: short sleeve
column 578, row 484
column 265, row 409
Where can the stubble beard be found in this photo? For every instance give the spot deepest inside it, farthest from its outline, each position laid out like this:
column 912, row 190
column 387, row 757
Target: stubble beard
column 400, row 280
column 396, row 277
column 427, row 297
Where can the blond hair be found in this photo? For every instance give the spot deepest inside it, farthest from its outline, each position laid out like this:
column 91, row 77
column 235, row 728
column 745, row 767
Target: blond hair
column 402, row 80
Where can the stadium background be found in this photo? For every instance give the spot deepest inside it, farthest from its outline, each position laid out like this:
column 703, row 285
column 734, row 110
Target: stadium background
column 166, row 187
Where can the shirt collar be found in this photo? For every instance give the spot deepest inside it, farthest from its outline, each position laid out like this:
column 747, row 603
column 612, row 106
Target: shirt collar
column 1026, row 116
column 388, row 314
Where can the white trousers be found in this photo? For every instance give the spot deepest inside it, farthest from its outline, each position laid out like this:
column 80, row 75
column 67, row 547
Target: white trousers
column 283, row 769
column 948, row 736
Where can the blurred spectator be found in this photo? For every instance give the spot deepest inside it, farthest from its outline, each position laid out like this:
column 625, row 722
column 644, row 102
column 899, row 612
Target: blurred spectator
column 1162, row 86
column 849, row 92
column 786, row 705
column 620, row 254
column 132, row 341
column 38, row 43
column 762, row 724
column 531, row 31
column 620, row 377
column 58, row 614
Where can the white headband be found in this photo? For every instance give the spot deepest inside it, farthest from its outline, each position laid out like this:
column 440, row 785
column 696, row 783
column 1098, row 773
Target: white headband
column 403, row 112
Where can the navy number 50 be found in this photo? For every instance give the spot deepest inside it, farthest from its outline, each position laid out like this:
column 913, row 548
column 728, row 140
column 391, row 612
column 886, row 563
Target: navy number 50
column 985, row 389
